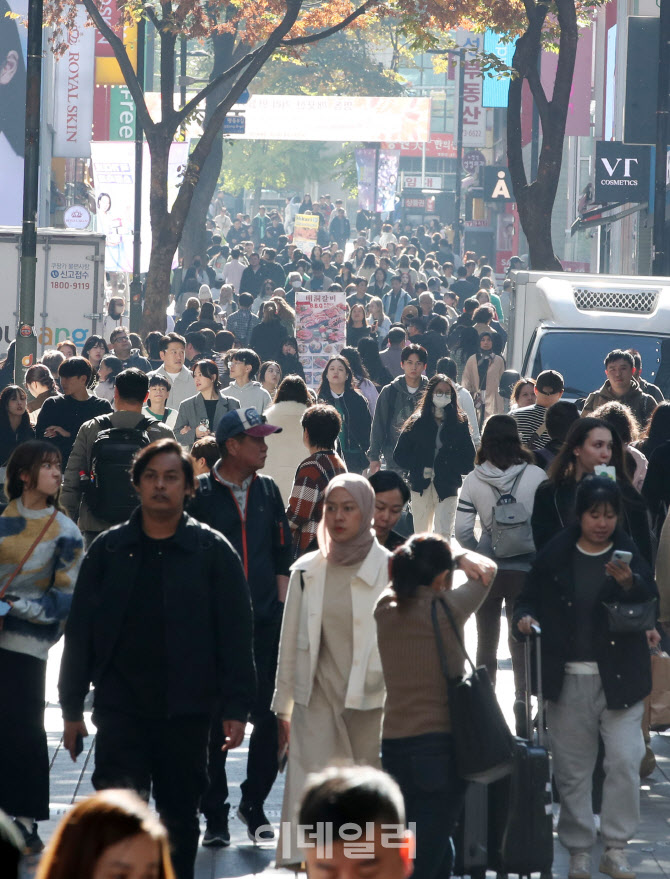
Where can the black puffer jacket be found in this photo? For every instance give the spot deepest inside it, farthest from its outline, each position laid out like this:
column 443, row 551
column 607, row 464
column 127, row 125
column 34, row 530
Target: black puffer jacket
column 415, row 452
column 548, row 596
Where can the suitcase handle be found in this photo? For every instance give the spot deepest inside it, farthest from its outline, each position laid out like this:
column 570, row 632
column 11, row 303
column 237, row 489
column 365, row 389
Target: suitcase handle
column 536, row 635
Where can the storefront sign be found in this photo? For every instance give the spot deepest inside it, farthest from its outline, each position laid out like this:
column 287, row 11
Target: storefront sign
column 622, row 172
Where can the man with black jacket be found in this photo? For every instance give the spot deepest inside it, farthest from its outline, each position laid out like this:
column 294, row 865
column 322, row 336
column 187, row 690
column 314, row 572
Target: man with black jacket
column 249, row 510
column 161, row 623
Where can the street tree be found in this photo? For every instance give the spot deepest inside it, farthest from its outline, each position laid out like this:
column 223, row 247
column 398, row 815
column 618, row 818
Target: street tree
column 536, row 24
column 341, row 65
column 255, row 31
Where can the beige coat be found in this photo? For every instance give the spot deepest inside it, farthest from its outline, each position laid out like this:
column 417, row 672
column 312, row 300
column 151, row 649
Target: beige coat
column 494, row 404
column 301, row 633
column 285, row 450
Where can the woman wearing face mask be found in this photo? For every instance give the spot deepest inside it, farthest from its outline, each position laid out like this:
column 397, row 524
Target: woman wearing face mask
column 115, row 316
column 594, row 679
column 329, row 687
column 590, row 443
column 481, row 377
column 436, row 448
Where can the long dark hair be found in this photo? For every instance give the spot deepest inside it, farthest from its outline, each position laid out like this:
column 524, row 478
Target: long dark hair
column 501, row 444
column 28, row 458
column 354, row 359
column 562, row 469
column 658, row 429
column 452, row 414
column 367, row 348
column 324, row 392
column 11, row 392
column 417, row 562
column 209, row 370
column 13, row 94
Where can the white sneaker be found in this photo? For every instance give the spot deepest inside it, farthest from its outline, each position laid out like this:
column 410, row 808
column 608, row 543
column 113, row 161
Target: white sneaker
column 614, row 863
column 580, row 866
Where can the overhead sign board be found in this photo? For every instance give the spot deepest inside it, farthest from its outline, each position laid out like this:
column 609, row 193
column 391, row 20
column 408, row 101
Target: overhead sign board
column 497, row 184
column 622, row 172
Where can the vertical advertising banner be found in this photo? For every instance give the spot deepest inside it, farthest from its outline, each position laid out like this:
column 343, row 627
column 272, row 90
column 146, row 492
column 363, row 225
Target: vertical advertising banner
column 114, row 180
column 121, row 114
column 365, row 170
column 321, row 331
column 304, row 232
column 12, row 111
column 73, row 109
column 107, row 70
column 387, row 179
column 474, row 114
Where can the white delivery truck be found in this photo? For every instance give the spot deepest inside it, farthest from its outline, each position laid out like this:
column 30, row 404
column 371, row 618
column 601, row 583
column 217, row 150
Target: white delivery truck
column 570, row 321
column 69, row 285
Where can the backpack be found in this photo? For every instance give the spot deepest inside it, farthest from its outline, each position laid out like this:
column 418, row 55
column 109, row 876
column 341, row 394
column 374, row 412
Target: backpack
column 511, row 532
column 110, row 494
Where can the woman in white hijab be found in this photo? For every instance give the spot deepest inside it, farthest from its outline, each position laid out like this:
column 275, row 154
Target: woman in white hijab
column 330, row 688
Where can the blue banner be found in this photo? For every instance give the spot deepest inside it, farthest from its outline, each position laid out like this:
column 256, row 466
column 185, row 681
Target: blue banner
column 495, row 90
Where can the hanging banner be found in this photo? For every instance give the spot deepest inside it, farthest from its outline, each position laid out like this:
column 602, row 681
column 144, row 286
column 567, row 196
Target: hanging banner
column 114, row 181
column 73, row 100
column 321, row 331
column 387, row 179
column 121, row 114
column 474, row 114
column 12, row 113
column 496, row 88
column 365, row 170
column 304, row 232
column 107, row 70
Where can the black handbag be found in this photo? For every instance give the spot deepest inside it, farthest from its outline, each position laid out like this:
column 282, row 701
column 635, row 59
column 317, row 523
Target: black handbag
column 635, row 617
column 483, row 743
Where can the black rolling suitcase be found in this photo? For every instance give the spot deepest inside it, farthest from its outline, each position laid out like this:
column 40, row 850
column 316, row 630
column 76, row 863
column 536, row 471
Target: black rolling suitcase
column 471, row 833
column 520, row 806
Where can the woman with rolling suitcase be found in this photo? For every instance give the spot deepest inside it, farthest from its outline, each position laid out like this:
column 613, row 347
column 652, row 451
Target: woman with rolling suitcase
column 417, row 748
column 584, row 588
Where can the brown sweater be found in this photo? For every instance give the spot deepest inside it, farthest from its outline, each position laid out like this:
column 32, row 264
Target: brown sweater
column 416, row 691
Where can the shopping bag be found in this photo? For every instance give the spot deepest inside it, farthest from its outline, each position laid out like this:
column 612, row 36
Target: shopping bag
column 659, row 700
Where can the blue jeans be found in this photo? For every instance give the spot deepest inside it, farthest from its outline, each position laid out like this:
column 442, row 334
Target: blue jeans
column 424, row 768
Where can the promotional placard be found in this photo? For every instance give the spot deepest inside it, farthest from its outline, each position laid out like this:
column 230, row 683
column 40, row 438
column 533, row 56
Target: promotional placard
column 321, row 331
column 304, row 232
column 73, row 110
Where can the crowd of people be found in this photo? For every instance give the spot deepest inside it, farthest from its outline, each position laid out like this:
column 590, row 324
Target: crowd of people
column 220, row 542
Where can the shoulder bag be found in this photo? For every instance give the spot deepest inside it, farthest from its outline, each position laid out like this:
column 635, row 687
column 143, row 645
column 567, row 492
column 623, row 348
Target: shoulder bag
column 483, row 743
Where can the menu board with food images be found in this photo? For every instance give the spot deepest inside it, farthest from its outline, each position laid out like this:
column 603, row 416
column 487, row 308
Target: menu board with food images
column 321, row 331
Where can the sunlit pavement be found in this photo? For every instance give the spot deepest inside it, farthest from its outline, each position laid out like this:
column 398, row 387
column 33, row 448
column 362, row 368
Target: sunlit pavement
column 649, row 852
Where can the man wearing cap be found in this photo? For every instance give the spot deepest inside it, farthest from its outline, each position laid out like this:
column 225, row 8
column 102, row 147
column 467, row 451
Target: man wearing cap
column 549, row 389
column 247, row 508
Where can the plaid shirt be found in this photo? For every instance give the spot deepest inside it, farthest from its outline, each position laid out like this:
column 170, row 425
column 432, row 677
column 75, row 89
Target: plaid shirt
column 241, row 323
column 306, row 501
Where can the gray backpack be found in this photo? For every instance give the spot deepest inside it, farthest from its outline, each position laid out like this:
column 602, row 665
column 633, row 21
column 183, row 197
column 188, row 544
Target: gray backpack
column 511, row 532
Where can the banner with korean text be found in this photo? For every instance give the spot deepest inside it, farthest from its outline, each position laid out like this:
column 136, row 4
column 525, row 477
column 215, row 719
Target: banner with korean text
column 321, row 331
column 304, row 232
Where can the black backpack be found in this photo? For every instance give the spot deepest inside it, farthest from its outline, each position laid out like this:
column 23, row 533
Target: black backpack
column 110, row 494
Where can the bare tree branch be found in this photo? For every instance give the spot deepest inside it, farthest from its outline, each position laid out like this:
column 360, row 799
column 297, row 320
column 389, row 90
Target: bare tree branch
column 121, row 55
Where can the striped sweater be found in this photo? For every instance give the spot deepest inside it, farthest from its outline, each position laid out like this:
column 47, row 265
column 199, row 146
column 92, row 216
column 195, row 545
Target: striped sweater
column 42, row 592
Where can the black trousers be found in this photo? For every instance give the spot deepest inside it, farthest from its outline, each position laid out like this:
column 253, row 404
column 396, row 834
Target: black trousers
column 263, row 743
column 24, row 756
column 425, row 769
column 165, row 757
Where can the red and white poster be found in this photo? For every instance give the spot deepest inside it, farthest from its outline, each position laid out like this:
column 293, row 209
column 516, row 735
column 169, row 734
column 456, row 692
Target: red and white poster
column 321, row 331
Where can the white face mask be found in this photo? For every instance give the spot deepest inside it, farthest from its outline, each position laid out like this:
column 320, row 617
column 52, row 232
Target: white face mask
column 296, row 284
column 441, row 400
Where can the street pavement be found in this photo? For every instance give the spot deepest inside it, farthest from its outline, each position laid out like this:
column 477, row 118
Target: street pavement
column 649, row 851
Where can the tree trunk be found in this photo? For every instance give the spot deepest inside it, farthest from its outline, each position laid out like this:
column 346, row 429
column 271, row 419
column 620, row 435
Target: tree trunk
column 194, row 238
column 535, row 201
column 535, row 208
